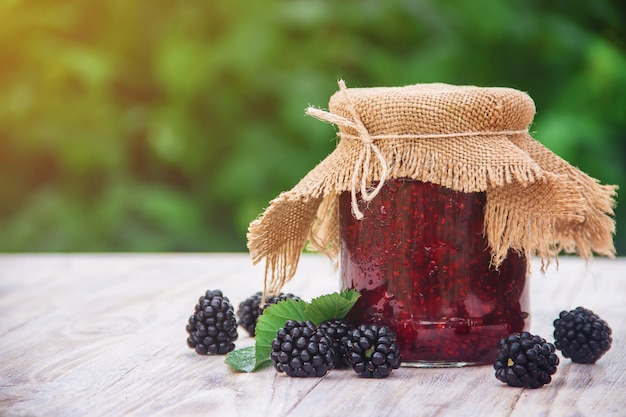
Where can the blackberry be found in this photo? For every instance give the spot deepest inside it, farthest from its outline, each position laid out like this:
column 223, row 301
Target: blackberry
column 525, row 361
column 250, row 309
column 372, row 351
column 302, row 350
column 581, row 335
column 213, row 327
column 338, row 331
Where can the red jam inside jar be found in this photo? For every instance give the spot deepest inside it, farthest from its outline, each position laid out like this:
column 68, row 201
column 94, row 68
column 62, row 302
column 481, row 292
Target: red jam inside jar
column 422, row 265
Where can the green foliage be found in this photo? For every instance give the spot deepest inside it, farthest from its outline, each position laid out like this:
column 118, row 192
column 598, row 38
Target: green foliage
column 168, row 126
column 246, row 359
column 331, row 306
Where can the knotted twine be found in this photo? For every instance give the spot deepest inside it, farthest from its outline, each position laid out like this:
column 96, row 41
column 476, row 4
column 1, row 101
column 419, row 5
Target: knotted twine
column 466, row 138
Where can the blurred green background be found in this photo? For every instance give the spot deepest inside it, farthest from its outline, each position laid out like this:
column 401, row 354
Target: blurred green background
column 163, row 125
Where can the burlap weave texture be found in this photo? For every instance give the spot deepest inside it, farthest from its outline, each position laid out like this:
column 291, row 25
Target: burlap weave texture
column 465, row 138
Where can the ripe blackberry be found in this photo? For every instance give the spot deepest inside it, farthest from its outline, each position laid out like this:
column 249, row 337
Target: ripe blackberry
column 581, row 335
column 213, row 327
column 250, row 309
column 372, row 351
column 525, row 361
column 338, row 331
column 302, row 350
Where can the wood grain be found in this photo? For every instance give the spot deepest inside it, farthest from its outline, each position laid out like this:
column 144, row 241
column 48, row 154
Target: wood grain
column 104, row 335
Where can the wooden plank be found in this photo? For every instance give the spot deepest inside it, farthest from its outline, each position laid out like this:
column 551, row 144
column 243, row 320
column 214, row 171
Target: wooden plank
column 104, row 335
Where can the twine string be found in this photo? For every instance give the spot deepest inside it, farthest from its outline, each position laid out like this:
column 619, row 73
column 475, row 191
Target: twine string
column 364, row 160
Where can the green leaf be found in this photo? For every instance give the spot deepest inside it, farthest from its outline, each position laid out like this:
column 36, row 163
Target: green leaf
column 242, row 359
column 331, row 306
column 247, row 360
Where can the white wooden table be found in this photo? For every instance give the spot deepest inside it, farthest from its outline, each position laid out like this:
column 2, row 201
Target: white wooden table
column 104, row 335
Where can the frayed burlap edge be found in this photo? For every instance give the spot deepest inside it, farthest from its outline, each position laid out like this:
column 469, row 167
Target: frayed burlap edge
column 539, row 206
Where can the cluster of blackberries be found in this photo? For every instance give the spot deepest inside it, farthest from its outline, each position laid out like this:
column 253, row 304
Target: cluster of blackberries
column 528, row 361
column 581, row 335
column 525, row 360
column 302, row 349
column 372, row 351
column 213, row 326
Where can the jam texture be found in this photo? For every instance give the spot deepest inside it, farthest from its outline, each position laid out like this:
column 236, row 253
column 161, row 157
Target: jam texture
column 422, row 266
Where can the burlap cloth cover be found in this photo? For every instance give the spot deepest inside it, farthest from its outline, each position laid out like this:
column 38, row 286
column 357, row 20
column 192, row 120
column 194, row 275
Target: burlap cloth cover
column 462, row 137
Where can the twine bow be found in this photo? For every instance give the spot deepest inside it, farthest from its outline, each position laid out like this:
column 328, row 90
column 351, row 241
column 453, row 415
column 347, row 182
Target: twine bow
column 362, row 166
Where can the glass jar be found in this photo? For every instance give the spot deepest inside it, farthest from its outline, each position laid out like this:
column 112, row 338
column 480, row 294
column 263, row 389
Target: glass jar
column 422, row 266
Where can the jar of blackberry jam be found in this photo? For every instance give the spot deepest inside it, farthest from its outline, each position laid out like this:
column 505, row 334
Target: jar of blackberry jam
column 423, row 267
column 439, row 189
